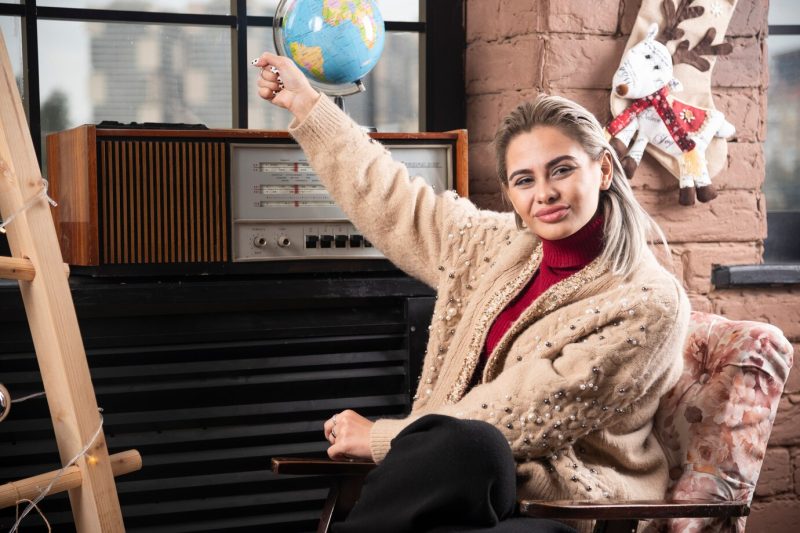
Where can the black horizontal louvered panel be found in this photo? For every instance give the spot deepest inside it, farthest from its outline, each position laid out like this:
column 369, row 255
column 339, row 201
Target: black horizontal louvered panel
column 272, row 523
column 213, row 366
column 208, row 394
column 365, row 404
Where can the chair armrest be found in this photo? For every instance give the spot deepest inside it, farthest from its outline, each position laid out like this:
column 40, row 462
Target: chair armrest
column 632, row 509
column 304, row 466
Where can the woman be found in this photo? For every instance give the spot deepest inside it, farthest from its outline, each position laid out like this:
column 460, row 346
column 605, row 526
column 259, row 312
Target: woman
column 556, row 328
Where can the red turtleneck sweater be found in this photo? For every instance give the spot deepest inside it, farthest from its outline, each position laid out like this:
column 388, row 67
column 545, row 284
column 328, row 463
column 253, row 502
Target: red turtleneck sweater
column 560, row 259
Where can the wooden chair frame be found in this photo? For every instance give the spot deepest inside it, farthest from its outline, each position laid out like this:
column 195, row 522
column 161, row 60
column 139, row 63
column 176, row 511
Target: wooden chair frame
column 611, row 516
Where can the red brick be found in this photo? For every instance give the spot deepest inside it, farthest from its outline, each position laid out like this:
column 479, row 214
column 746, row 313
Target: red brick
column 651, row 175
column 676, row 262
column 482, row 20
column 698, row 260
column 486, row 111
column 744, row 109
column 793, row 383
column 775, row 515
column 732, row 216
column 489, row 201
column 744, row 67
column 521, row 17
column 595, row 100
column 504, row 66
column 744, row 170
column 483, row 116
column 745, row 167
column 749, row 18
column 580, row 16
column 777, row 306
column 700, row 302
column 776, row 473
column 482, row 168
column 581, row 62
column 785, row 431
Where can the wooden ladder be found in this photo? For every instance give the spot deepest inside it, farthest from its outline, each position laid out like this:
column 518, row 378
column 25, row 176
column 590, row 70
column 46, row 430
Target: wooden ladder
column 37, row 264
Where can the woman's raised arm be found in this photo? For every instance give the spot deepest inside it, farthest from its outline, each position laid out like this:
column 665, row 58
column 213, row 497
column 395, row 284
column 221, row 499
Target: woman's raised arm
column 402, row 216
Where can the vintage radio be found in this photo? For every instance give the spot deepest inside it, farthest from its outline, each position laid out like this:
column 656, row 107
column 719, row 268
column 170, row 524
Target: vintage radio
column 141, row 201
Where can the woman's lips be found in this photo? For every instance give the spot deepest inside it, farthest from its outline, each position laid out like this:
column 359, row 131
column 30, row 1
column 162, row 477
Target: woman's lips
column 552, row 214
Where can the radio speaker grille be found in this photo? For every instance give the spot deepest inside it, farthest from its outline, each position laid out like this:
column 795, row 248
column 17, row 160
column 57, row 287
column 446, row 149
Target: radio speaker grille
column 162, row 201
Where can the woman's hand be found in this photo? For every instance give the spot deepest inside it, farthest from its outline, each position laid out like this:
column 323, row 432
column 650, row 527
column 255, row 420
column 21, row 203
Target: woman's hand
column 348, row 433
column 283, row 84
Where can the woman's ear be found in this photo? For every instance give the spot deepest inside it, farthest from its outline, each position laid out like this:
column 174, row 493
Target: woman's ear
column 607, row 171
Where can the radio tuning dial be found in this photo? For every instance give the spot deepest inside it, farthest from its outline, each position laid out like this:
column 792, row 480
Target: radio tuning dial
column 284, row 241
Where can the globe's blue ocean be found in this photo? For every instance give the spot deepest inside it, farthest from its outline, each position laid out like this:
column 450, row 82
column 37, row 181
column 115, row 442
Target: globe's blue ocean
column 333, row 41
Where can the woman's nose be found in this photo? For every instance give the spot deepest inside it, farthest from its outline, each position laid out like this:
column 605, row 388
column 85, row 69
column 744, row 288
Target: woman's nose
column 545, row 193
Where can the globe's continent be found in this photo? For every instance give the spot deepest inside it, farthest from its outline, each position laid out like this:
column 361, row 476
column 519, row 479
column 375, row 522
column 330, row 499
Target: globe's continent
column 334, row 41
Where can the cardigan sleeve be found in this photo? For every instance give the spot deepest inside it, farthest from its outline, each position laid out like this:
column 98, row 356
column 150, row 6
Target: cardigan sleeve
column 402, row 216
column 630, row 357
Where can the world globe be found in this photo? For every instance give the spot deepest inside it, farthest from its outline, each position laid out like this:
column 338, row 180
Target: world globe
column 334, row 42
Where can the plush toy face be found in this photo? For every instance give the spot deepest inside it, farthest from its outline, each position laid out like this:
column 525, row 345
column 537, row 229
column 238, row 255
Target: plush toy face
column 645, row 68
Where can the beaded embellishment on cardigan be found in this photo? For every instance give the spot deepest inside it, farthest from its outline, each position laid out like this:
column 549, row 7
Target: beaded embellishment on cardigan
column 496, row 304
column 551, row 299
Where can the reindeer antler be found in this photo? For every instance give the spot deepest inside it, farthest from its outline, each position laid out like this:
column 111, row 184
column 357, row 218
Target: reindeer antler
column 704, row 48
column 673, row 16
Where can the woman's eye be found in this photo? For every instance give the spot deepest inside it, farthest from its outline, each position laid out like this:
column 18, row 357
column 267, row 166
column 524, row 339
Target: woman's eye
column 523, row 180
column 562, row 171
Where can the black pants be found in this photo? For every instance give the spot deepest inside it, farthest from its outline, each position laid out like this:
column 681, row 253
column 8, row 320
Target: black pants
column 443, row 474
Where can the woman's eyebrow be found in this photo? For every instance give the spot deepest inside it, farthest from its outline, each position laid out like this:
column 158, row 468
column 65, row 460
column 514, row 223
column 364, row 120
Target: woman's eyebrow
column 559, row 159
column 520, row 171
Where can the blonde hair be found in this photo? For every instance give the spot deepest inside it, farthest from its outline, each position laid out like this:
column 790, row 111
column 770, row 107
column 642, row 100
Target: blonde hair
column 627, row 225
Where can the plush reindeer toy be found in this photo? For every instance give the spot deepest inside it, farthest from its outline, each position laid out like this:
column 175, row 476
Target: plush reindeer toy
column 655, row 117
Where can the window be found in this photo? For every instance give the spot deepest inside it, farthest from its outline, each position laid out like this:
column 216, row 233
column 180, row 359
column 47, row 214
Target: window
column 782, row 146
column 12, row 32
column 187, row 61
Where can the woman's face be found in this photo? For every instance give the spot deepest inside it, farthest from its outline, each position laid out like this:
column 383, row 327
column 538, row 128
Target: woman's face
column 553, row 184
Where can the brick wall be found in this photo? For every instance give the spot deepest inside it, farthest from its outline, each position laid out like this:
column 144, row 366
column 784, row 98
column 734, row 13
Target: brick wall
column 518, row 48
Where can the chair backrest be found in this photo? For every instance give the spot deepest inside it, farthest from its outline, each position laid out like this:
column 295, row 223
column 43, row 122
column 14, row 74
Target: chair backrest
column 715, row 424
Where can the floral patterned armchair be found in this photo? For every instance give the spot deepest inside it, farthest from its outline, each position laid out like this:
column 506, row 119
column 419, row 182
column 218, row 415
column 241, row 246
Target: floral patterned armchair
column 714, row 426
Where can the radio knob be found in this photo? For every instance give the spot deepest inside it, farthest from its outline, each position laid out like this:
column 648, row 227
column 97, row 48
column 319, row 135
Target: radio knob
column 311, row 241
column 260, row 242
column 356, row 240
column 284, row 241
column 341, row 241
column 325, row 241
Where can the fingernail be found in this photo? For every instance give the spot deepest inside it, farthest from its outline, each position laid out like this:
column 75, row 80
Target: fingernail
column 255, row 61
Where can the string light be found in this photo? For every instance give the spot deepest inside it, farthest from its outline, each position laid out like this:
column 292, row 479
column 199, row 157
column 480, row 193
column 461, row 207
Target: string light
column 44, row 492
column 90, row 459
column 37, row 510
column 28, row 397
column 28, row 204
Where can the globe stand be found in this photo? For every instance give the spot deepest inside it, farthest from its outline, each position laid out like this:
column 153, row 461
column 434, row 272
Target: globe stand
column 339, row 101
column 338, row 93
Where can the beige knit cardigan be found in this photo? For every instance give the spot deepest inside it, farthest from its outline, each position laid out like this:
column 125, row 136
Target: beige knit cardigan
column 575, row 382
